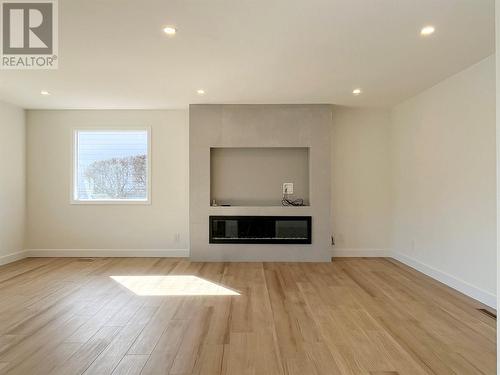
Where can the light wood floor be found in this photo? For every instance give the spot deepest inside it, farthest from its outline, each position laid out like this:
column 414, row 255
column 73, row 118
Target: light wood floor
column 352, row 316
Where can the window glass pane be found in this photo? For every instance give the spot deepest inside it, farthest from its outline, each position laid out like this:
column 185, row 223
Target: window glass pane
column 111, row 165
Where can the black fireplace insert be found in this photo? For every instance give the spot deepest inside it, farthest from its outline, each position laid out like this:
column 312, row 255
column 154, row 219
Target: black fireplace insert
column 260, row 229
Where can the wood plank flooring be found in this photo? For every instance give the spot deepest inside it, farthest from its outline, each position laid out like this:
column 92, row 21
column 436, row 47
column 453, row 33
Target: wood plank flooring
column 352, row 316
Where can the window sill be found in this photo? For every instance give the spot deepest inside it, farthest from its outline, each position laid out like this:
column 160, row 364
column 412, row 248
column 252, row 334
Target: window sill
column 112, row 202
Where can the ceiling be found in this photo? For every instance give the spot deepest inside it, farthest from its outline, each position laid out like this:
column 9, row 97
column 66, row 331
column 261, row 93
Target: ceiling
column 114, row 54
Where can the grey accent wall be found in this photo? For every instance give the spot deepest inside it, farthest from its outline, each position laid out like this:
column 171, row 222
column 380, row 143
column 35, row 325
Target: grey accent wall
column 260, row 126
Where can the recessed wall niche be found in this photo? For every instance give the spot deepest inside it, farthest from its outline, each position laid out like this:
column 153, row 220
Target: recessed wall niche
column 254, row 176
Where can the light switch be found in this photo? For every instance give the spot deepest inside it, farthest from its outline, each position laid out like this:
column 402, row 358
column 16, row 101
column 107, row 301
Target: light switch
column 288, row 188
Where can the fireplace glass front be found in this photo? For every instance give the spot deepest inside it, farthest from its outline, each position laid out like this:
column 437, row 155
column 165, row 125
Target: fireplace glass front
column 260, row 229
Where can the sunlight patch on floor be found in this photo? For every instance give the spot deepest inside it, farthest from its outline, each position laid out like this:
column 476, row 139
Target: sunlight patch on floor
column 173, row 285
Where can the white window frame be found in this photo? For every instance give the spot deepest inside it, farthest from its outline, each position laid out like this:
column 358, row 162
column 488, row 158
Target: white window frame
column 74, row 166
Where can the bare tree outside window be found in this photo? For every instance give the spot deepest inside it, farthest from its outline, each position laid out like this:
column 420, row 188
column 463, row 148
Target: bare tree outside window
column 111, row 165
column 117, row 178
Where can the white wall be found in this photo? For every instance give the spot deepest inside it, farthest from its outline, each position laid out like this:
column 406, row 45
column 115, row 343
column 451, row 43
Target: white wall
column 12, row 182
column 53, row 223
column 360, row 181
column 444, row 168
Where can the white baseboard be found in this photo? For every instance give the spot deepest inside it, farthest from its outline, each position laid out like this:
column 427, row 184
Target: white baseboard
column 472, row 291
column 12, row 257
column 343, row 253
column 108, row 253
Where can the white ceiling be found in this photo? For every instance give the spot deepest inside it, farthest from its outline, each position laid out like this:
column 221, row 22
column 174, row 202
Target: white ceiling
column 113, row 53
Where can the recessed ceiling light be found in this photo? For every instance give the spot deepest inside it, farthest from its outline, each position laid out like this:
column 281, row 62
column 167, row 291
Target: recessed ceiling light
column 356, row 91
column 200, row 92
column 44, row 92
column 170, row 30
column 427, row 30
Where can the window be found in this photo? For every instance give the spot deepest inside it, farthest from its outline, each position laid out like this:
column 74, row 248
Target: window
column 111, row 166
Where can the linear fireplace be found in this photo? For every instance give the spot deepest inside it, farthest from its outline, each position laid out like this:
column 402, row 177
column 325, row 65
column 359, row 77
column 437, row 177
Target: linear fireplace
column 260, row 229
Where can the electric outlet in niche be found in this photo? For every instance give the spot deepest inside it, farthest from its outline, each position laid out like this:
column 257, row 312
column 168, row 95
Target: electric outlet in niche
column 288, row 188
